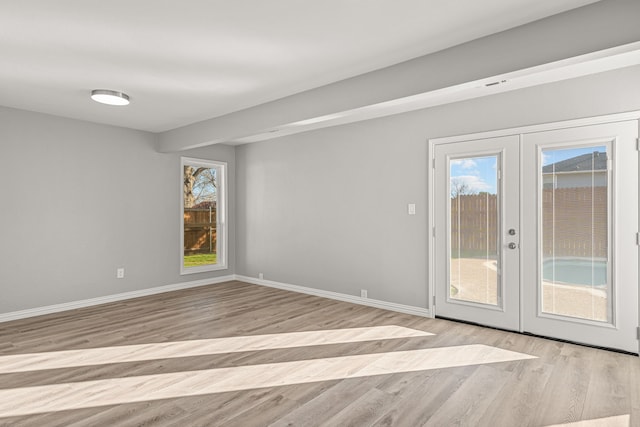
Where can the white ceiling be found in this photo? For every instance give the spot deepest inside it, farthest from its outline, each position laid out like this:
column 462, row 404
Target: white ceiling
column 191, row 60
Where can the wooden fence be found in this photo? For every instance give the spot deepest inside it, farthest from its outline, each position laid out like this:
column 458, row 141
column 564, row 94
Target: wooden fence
column 574, row 223
column 200, row 231
column 580, row 218
column 474, row 222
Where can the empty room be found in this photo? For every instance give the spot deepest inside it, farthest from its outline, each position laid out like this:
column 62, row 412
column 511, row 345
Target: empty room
column 330, row 213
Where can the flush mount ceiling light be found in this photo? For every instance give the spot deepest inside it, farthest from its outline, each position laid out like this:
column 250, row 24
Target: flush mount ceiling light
column 109, row 97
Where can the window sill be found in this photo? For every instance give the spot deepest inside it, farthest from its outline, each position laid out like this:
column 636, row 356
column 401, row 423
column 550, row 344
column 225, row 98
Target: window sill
column 202, row 269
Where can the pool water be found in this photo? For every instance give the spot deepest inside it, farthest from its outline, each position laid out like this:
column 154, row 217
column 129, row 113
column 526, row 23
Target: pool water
column 575, row 271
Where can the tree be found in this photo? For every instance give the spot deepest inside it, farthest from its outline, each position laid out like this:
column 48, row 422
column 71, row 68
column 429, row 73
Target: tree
column 199, row 185
column 460, row 188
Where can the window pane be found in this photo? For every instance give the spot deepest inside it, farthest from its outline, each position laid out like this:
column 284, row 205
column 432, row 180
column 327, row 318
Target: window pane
column 474, row 257
column 575, row 227
column 200, row 215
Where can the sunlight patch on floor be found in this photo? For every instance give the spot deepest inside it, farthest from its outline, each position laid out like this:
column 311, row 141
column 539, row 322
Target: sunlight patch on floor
column 68, row 396
column 615, row 421
column 168, row 350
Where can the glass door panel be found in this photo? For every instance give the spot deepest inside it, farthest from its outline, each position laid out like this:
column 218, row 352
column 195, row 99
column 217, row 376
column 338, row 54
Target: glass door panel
column 474, row 223
column 575, row 232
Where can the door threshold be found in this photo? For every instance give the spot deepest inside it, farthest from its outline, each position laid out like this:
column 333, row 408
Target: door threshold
column 614, row 350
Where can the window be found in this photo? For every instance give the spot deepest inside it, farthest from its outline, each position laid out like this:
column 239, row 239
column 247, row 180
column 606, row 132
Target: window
column 203, row 227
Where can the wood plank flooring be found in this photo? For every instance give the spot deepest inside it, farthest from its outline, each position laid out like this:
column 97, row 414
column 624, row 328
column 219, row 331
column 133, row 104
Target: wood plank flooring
column 236, row 354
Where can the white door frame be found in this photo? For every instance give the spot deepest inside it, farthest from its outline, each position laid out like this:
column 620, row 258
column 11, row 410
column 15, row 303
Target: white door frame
column 610, row 118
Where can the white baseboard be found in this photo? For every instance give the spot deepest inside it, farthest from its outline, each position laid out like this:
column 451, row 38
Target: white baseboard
column 408, row 309
column 38, row 311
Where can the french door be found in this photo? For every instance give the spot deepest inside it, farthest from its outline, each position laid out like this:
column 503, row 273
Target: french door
column 476, row 188
column 537, row 232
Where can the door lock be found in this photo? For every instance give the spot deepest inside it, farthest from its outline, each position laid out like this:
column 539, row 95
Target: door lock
column 512, row 232
column 512, row 245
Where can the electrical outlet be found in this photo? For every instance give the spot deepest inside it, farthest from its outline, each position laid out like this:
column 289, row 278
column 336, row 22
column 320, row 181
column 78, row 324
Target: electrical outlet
column 363, row 293
column 120, row 273
column 411, row 208
column 260, row 276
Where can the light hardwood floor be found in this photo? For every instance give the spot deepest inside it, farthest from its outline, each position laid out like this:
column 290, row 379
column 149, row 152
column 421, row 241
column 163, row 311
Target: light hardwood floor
column 235, row 354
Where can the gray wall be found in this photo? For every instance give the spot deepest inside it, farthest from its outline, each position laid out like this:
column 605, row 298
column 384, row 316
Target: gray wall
column 81, row 199
column 327, row 209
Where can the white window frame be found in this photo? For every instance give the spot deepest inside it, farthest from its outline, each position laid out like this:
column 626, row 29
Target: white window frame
column 221, row 215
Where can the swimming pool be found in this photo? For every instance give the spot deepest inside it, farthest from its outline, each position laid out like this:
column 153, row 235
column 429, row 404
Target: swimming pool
column 575, row 271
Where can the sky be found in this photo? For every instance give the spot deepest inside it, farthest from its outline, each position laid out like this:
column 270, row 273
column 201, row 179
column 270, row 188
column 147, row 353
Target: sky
column 479, row 173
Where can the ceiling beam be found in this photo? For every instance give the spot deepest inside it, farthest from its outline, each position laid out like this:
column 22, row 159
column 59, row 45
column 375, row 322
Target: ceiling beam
column 579, row 32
